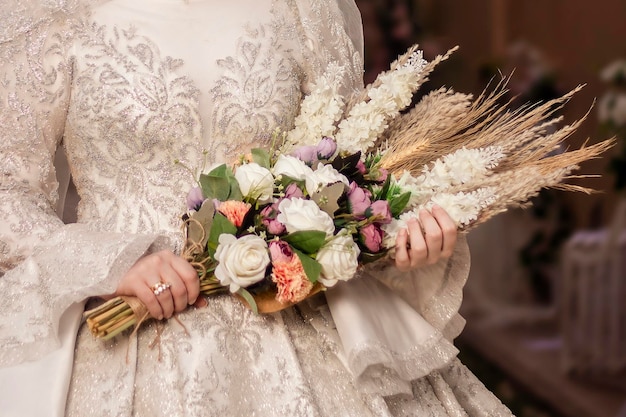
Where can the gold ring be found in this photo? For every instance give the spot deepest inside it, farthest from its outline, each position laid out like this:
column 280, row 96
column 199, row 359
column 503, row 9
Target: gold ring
column 160, row 287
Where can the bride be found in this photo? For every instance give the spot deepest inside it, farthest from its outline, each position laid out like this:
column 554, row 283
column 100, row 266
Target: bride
column 128, row 87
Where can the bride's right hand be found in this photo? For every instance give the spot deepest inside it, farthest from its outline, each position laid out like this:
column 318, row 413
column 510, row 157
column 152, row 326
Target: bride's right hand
column 161, row 267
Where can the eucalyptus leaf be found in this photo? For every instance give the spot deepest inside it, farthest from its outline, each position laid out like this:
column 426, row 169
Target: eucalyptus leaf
column 215, row 184
column 234, row 190
column 311, row 267
column 261, row 157
column 220, row 225
column 327, row 199
column 308, row 241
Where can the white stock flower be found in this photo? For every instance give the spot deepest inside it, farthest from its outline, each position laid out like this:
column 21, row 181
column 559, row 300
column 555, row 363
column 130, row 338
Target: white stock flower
column 298, row 214
column 242, row 262
column 320, row 110
column 324, row 175
column 255, row 182
column 339, row 259
column 291, row 167
column 463, row 166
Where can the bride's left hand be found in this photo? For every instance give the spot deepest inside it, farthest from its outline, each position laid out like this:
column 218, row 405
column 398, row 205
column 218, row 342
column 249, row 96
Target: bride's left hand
column 426, row 240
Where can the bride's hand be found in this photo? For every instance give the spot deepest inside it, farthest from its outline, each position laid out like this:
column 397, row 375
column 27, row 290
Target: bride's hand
column 161, row 267
column 426, row 241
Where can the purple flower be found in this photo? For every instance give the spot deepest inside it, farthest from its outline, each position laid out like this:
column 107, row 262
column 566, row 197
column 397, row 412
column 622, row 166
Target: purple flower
column 272, row 225
column 380, row 209
column 293, row 191
column 307, row 154
column 372, row 237
column 358, row 199
column 195, row 198
column 326, row 148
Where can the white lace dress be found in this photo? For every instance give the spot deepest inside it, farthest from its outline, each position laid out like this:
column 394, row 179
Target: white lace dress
column 128, row 87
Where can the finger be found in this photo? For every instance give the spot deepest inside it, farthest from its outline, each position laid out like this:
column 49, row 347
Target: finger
column 403, row 262
column 147, row 297
column 201, row 302
column 449, row 229
column 189, row 277
column 419, row 250
column 177, row 291
column 432, row 235
column 165, row 300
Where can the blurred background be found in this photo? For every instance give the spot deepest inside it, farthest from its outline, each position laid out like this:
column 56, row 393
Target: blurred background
column 546, row 299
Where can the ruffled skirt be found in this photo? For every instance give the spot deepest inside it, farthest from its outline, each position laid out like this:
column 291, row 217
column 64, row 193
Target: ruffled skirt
column 227, row 361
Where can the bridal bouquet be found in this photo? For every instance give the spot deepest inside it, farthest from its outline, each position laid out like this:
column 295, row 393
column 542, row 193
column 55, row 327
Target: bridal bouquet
column 331, row 195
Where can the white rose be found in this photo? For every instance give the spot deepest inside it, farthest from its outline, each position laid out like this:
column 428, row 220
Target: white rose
column 324, row 175
column 291, row 167
column 299, row 214
column 242, row 262
column 255, row 182
column 339, row 259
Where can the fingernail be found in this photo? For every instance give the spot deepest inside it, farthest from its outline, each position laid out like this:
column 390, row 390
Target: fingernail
column 192, row 302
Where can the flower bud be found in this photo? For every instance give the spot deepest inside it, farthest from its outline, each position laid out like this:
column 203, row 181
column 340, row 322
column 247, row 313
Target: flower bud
column 195, row 198
column 326, row 148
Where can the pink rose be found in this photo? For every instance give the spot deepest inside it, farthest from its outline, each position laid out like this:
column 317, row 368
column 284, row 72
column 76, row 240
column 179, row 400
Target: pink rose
column 360, row 166
column 358, row 199
column 372, row 237
column 272, row 225
column 380, row 209
column 326, row 148
column 280, row 251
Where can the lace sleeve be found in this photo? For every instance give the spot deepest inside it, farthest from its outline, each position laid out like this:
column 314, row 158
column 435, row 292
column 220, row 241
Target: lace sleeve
column 33, row 102
column 45, row 266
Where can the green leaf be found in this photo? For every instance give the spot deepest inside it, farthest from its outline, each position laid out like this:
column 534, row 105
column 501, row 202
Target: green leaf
column 385, row 189
column 261, row 157
column 220, row 225
column 399, row 203
column 219, row 171
column 234, row 190
column 215, row 184
column 311, row 267
column 308, row 241
column 243, row 293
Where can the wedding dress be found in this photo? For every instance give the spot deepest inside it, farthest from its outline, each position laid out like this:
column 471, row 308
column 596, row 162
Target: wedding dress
column 142, row 94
